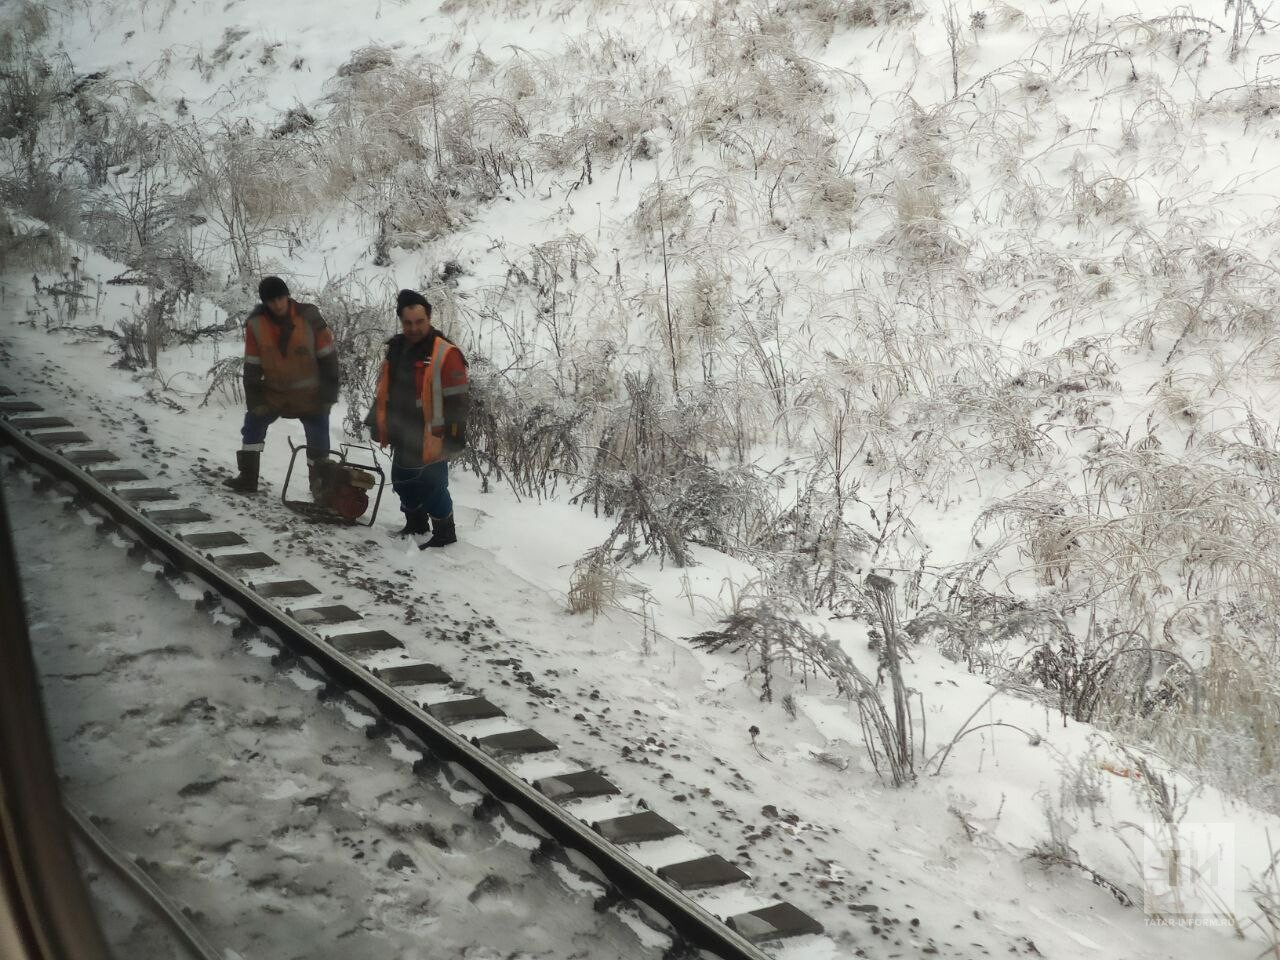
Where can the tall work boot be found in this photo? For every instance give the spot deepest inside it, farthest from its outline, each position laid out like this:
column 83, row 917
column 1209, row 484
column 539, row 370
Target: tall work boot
column 442, row 532
column 248, row 461
column 320, row 477
column 415, row 522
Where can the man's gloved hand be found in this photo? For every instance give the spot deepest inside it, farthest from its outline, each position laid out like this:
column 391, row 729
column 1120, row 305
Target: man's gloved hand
column 261, row 410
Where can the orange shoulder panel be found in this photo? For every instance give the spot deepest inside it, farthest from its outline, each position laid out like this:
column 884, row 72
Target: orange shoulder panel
column 454, row 371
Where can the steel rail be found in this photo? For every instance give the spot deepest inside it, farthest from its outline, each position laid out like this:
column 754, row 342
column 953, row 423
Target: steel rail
column 694, row 926
column 45, row 908
column 142, row 885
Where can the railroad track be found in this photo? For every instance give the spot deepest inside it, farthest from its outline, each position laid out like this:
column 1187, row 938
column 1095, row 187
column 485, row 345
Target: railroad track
column 253, row 588
column 267, row 818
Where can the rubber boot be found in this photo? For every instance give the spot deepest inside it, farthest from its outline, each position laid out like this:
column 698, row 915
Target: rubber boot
column 442, row 532
column 415, row 522
column 248, row 461
column 320, row 476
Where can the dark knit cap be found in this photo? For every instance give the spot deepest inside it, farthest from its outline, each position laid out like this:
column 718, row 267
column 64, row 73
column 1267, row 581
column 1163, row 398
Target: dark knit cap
column 411, row 298
column 272, row 287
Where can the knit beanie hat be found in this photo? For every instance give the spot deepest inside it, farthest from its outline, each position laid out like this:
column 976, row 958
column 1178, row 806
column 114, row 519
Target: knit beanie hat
column 411, row 298
column 272, row 287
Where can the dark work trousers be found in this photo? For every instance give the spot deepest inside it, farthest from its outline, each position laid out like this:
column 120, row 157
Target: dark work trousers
column 316, row 427
column 423, row 489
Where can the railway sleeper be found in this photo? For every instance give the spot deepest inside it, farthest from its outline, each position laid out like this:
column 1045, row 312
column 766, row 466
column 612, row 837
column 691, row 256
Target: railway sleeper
column 145, row 494
column 412, row 673
column 61, row 438
column 284, row 589
column 84, row 458
column 236, row 562
column 176, row 515
column 212, row 540
column 111, row 475
column 712, row 870
column 323, row 615
column 575, row 786
column 774, row 922
column 636, row 828
column 514, row 743
column 460, row 711
column 9, row 407
column 780, row 921
column 365, row 641
column 29, row 423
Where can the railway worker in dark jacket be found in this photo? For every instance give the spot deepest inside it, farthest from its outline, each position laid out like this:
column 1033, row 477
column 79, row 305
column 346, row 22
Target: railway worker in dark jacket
column 291, row 371
column 420, row 410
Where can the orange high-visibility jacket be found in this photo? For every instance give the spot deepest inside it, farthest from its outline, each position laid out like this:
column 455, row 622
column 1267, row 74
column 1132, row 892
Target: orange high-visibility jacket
column 290, row 365
column 442, row 391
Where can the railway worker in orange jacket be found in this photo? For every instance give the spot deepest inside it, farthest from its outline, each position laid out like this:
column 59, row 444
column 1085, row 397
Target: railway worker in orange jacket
column 420, row 410
column 291, row 371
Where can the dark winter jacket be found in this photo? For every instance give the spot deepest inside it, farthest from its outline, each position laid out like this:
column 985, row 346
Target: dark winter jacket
column 406, row 385
column 290, row 364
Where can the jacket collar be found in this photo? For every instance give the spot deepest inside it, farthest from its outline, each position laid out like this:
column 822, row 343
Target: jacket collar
column 261, row 310
column 398, row 344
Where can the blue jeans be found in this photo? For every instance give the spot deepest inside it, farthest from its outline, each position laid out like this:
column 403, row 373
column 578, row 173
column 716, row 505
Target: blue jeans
column 423, row 489
column 316, row 427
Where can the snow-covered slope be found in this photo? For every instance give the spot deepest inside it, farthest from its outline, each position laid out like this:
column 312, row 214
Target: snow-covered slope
column 994, row 299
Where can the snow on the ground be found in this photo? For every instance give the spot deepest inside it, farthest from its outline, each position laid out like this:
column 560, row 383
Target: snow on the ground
column 798, row 807
column 280, row 827
column 671, row 723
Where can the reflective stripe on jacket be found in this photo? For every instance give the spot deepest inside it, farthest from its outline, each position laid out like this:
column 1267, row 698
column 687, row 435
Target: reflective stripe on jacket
column 289, row 353
column 443, row 375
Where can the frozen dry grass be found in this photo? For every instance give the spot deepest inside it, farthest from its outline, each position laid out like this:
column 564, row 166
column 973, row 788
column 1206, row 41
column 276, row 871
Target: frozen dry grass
column 1039, row 290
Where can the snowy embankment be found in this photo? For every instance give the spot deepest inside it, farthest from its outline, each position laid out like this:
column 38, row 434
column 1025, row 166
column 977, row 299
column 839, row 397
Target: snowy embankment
column 980, row 299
